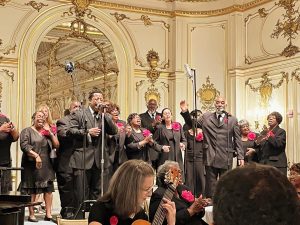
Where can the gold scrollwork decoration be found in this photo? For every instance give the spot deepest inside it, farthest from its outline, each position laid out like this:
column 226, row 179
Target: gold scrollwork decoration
column 152, row 93
column 10, row 74
column 207, row 94
column 35, row 5
column 152, row 59
column 288, row 27
column 144, row 18
column 3, row 2
column 11, row 49
column 165, row 85
column 296, row 74
column 1, row 88
column 1, row 42
column 80, row 9
column 262, row 12
column 265, row 88
column 139, row 84
column 248, row 60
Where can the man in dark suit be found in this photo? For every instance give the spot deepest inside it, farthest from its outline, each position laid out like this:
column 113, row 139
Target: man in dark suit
column 150, row 119
column 64, row 171
column 87, row 123
column 222, row 139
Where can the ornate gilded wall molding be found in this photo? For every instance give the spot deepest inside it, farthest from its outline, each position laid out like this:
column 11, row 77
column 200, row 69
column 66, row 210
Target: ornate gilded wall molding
column 266, row 87
column 35, row 5
column 1, row 42
column 9, row 50
column 152, row 59
column 296, row 74
column 144, row 18
column 3, row 2
column 80, row 9
column 138, row 84
column 10, row 74
column 208, row 13
column 152, row 93
column 288, row 27
column 1, row 88
column 207, row 95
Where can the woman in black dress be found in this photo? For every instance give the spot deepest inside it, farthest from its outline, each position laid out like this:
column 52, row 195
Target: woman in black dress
column 129, row 187
column 38, row 174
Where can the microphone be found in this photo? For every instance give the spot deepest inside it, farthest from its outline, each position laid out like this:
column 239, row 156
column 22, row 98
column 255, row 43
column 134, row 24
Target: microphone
column 101, row 105
column 226, row 113
column 189, row 71
column 69, row 67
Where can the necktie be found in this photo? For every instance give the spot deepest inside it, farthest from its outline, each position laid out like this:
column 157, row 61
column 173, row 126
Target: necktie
column 96, row 118
column 152, row 115
column 219, row 119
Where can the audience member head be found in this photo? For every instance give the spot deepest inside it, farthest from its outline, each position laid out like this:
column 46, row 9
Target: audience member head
column 295, row 180
column 95, row 99
column 274, row 119
column 295, row 169
column 220, row 104
column 152, row 105
column 114, row 110
column 163, row 169
column 129, row 187
column 75, row 105
column 46, row 110
column 255, row 194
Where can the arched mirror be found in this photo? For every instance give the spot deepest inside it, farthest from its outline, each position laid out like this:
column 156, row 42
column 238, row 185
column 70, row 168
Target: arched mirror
column 73, row 59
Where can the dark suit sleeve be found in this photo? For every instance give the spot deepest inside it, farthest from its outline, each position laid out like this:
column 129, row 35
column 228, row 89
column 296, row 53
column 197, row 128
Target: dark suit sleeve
column 110, row 127
column 237, row 140
column 62, row 128
column 187, row 119
column 279, row 140
column 76, row 127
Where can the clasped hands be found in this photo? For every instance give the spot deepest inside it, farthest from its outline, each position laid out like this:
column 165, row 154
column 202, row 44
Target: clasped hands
column 198, row 205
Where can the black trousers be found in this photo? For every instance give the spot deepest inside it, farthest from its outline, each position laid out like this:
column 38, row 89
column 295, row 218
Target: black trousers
column 66, row 193
column 212, row 175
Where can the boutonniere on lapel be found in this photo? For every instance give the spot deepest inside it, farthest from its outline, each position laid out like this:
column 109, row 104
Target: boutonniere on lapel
column 199, row 136
column 188, row 196
column 113, row 220
column 146, row 133
column 176, row 126
column 120, row 125
column 251, row 136
column 270, row 134
column 225, row 120
column 47, row 133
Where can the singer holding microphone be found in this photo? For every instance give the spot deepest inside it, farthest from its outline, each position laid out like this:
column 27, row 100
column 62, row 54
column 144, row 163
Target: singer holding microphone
column 85, row 128
column 222, row 138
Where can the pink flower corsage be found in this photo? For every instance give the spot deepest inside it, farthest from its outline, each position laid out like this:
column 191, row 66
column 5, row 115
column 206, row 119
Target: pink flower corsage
column 199, row 136
column 113, row 220
column 251, row 136
column 2, row 115
column 270, row 134
column 120, row 125
column 225, row 120
column 176, row 126
column 53, row 129
column 187, row 195
column 146, row 133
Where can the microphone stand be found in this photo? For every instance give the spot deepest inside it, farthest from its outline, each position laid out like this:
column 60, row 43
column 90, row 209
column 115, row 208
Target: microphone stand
column 102, row 150
column 192, row 76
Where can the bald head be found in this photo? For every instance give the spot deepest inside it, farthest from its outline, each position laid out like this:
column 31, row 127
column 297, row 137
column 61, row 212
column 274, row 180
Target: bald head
column 75, row 105
column 220, row 104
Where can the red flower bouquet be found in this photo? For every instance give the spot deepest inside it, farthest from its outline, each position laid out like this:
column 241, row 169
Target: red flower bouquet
column 188, row 196
column 176, row 126
column 199, row 136
column 146, row 133
column 251, row 136
column 113, row 220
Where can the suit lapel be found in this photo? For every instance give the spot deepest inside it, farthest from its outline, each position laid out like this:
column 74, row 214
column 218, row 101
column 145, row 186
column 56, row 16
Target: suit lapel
column 90, row 117
column 214, row 120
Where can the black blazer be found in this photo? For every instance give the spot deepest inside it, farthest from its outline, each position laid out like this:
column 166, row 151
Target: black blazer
column 93, row 144
column 272, row 150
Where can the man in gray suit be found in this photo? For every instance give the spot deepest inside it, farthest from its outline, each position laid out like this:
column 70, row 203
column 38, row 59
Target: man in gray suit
column 87, row 123
column 222, row 140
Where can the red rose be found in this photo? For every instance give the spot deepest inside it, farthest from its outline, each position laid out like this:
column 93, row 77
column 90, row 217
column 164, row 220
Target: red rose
column 225, row 120
column 120, row 125
column 44, row 132
column 251, row 136
column 146, row 133
column 187, row 195
column 270, row 134
column 113, row 220
column 176, row 126
column 199, row 136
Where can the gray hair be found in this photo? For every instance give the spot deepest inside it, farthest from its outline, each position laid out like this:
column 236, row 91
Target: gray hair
column 243, row 122
column 162, row 169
